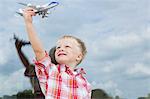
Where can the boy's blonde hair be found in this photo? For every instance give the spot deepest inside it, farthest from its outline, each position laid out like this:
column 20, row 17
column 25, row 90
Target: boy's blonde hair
column 81, row 45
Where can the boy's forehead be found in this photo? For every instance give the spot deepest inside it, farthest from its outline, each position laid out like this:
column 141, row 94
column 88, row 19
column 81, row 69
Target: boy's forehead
column 67, row 41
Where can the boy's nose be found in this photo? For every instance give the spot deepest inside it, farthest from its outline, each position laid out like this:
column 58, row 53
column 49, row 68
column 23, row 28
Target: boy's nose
column 61, row 49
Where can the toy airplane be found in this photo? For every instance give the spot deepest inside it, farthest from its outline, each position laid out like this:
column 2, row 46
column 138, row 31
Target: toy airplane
column 40, row 10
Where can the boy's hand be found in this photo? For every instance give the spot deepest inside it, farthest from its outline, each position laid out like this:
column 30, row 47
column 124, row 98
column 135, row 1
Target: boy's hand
column 28, row 13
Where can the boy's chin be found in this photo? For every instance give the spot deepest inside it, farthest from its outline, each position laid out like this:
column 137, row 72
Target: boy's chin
column 62, row 62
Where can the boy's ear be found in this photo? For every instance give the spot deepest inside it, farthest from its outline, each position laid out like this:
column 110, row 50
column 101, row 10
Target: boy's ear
column 80, row 56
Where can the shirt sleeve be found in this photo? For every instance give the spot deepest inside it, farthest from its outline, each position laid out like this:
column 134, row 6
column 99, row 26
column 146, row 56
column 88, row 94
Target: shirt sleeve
column 88, row 87
column 42, row 67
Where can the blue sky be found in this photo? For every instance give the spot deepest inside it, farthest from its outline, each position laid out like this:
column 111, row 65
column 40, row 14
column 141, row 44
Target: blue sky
column 116, row 32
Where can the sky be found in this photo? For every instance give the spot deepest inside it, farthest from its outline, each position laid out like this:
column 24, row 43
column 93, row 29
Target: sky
column 116, row 33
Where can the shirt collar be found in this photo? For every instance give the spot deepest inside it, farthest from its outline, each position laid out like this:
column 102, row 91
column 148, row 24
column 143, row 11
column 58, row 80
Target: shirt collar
column 65, row 68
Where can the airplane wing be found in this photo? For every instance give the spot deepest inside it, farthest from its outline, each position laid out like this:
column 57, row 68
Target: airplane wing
column 19, row 13
column 23, row 4
column 28, row 5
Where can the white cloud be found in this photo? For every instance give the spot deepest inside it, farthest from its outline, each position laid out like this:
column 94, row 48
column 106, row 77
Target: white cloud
column 108, row 69
column 139, row 69
column 14, row 83
column 147, row 55
column 2, row 59
column 109, row 86
column 5, row 51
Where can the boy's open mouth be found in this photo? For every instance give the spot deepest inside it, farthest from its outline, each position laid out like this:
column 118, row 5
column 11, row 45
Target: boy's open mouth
column 60, row 54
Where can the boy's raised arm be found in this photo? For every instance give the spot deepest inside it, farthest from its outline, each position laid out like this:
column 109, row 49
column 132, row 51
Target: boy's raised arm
column 33, row 37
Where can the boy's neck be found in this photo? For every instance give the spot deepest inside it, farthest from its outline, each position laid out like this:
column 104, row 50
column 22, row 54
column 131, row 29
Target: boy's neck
column 71, row 66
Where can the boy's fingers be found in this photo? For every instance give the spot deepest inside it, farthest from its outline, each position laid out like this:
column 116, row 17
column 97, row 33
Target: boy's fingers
column 29, row 10
column 32, row 13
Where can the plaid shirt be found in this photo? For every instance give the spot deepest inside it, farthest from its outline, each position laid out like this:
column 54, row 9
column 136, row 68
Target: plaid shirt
column 59, row 82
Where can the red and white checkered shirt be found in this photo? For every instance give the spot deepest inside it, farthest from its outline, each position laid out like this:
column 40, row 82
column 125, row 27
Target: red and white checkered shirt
column 59, row 82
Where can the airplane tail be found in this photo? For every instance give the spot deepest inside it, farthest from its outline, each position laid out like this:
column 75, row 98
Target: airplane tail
column 48, row 6
column 53, row 4
column 56, row 3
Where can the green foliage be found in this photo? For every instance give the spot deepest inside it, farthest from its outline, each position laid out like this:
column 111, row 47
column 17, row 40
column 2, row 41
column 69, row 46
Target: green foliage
column 26, row 94
column 148, row 97
column 100, row 94
column 96, row 94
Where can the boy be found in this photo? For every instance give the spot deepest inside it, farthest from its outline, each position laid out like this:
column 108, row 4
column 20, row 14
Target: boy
column 60, row 81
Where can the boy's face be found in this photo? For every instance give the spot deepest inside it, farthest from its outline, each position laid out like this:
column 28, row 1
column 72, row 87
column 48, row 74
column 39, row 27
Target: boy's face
column 68, row 52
